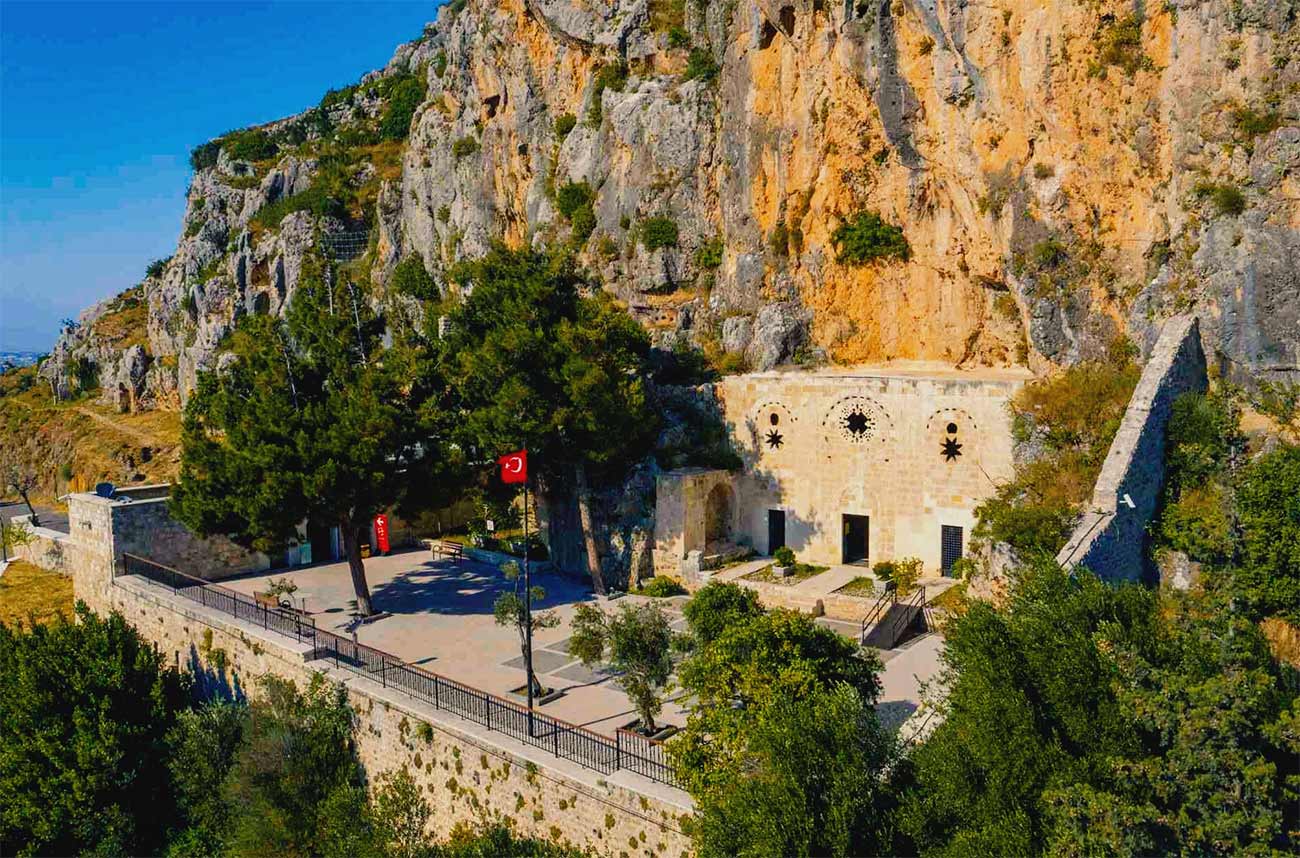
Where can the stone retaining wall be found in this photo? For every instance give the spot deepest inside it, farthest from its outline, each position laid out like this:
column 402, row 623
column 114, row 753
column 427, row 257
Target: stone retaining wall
column 45, row 547
column 1111, row 538
column 469, row 774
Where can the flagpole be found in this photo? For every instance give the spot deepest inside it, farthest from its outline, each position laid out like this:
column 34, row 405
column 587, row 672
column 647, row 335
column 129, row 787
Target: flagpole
column 528, row 610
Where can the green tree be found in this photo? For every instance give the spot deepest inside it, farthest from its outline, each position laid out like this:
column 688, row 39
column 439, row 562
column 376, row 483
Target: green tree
column 511, row 609
column 538, row 365
column 718, row 605
column 401, row 815
column 782, row 750
column 1217, row 768
column 1029, row 707
column 314, row 419
column 808, row 783
column 636, row 641
column 85, row 707
column 1268, row 507
column 203, row 746
column 296, row 779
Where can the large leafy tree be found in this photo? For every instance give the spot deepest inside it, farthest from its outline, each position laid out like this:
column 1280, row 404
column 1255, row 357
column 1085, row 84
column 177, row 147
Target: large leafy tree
column 537, row 363
column 782, row 750
column 84, row 712
column 314, row 419
column 1086, row 719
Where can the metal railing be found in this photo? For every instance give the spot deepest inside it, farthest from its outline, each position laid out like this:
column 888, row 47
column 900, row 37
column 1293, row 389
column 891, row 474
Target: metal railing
column 566, row 741
column 913, row 609
column 878, row 610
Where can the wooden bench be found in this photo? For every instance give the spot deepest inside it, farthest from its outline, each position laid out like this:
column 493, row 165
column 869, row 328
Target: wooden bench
column 444, row 548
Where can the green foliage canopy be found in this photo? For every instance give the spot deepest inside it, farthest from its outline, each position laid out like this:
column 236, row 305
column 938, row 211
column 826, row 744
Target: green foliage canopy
column 85, row 707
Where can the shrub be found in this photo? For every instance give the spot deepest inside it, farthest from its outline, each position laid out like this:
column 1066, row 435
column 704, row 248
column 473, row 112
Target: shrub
column 903, row 573
column 1043, row 171
column 784, row 556
column 564, row 124
column 1251, row 123
column 610, row 76
column 1226, row 199
column 678, row 37
column 464, row 147
column 315, row 200
column 157, row 267
column 572, row 196
column 1121, row 45
column 444, row 213
column 709, row 254
column 252, row 145
column 204, row 156
column 657, row 232
column 1198, row 524
column 662, row 587
column 440, row 63
column 404, row 97
column 867, row 238
column 411, row 278
column 574, row 202
column 700, row 66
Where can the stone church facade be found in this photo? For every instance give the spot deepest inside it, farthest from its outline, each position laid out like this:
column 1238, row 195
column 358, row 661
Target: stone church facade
column 844, row 466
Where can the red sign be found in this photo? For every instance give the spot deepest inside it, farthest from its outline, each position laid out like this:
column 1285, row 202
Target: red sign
column 381, row 533
column 514, row 467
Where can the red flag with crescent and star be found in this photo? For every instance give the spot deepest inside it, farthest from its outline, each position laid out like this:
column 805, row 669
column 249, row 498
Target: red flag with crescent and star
column 514, row 467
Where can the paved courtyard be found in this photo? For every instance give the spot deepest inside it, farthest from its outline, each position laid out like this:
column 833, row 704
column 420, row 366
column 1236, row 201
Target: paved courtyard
column 442, row 621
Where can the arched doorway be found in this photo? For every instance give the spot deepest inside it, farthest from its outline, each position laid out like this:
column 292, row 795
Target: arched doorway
column 717, row 515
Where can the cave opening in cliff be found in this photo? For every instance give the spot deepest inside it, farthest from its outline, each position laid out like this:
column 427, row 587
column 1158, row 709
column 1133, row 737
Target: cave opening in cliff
column 769, row 33
column 787, row 20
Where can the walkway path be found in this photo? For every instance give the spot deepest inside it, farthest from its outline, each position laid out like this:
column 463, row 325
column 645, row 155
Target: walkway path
column 142, row 438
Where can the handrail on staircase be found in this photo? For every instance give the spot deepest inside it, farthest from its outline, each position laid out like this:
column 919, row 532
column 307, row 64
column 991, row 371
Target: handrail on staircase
column 882, row 605
column 916, row 604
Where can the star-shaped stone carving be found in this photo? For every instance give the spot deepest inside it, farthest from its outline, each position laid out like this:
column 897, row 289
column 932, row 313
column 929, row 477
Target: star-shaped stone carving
column 951, row 449
column 774, row 440
column 857, row 423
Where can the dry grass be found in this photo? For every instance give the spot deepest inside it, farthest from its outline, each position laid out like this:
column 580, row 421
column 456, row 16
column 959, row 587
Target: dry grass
column 1283, row 639
column 106, row 445
column 28, row 592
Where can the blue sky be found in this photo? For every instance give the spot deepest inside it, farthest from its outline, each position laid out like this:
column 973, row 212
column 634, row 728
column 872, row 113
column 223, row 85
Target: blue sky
column 100, row 104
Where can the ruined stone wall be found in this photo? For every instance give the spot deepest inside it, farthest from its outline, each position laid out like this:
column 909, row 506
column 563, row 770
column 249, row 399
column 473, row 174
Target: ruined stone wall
column 910, row 449
column 1111, row 538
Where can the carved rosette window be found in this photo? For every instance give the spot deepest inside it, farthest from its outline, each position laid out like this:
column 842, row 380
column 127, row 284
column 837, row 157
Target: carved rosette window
column 858, row 422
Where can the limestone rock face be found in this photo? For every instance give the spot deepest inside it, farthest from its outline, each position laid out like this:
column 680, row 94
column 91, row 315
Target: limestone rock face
column 1062, row 172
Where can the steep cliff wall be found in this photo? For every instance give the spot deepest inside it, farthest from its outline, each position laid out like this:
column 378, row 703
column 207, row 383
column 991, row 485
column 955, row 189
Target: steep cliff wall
column 1062, row 171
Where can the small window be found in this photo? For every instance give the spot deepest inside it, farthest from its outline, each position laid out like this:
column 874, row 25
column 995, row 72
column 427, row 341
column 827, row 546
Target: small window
column 774, row 419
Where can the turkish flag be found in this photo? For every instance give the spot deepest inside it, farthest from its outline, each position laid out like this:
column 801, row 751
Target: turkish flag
column 514, row 467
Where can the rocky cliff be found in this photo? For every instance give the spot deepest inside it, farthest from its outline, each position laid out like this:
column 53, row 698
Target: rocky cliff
column 781, row 180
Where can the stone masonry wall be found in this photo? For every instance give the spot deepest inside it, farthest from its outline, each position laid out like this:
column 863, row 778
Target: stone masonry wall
column 1111, row 538
column 468, row 774
column 143, row 525
column 45, row 548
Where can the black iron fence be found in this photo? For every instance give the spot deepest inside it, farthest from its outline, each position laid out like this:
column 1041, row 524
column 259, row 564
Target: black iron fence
column 627, row 750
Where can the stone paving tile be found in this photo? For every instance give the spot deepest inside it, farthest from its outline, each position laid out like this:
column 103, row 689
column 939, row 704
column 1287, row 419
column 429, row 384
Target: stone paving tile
column 544, row 661
column 582, row 675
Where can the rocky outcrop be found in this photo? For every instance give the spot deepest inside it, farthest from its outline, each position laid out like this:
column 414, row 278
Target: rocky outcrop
column 1062, row 172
